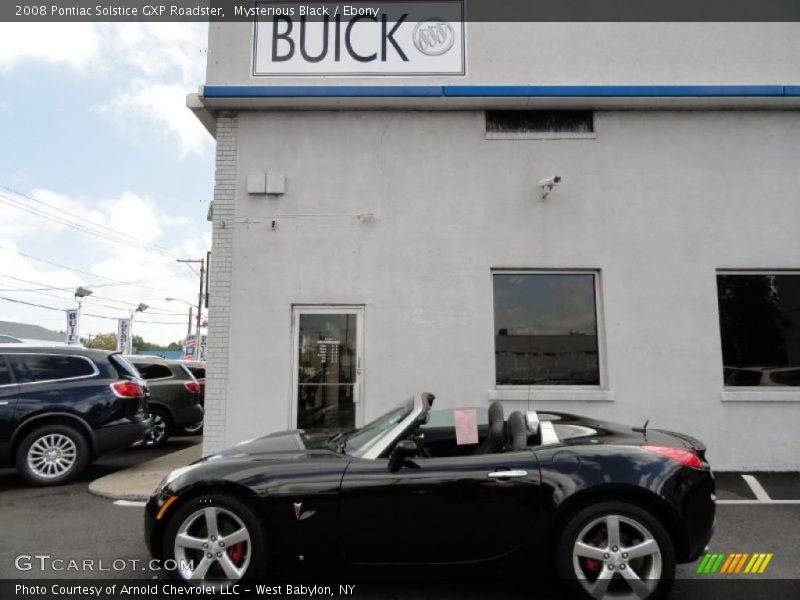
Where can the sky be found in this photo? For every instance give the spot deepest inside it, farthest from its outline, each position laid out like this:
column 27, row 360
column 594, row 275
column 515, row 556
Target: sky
column 96, row 136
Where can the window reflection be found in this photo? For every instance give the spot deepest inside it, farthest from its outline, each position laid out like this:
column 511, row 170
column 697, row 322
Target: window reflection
column 546, row 329
column 326, row 372
column 759, row 316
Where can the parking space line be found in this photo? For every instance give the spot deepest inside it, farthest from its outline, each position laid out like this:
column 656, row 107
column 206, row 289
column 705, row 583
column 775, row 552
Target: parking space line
column 129, row 503
column 758, row 490
column 759, row 502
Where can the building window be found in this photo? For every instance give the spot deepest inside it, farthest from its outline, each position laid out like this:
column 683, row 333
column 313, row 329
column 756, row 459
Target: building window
column 539, row 124
column 759, row 319
column 545, row 328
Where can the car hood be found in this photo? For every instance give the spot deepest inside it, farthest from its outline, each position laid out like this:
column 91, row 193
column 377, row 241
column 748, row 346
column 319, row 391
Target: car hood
column 291, row 444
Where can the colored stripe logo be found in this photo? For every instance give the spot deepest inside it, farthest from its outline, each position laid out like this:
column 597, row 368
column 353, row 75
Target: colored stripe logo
column 734, row 563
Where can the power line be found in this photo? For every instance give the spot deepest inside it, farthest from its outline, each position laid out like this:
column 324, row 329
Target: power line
column 60, row 266
column 93, row 228
column 70, row 290
column 181, row 323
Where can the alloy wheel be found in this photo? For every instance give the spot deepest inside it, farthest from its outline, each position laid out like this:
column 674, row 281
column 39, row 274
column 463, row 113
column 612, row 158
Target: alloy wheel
column 212, row 543
column 159, row 430
column 615, row 556
column 52, row 455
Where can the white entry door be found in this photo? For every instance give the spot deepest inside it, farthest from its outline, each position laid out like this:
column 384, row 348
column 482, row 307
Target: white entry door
column 327, row 367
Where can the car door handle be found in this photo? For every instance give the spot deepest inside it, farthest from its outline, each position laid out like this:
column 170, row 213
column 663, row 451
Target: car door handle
column 507, row 474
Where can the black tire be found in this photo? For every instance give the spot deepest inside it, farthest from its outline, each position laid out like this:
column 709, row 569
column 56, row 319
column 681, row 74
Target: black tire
column 196, row 429
column 257, row 545
column 632, row 516
column 39, row 470
column 156, row 438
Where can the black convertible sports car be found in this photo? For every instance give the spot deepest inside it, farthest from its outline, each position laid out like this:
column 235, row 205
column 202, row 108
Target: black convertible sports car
column 609, row 508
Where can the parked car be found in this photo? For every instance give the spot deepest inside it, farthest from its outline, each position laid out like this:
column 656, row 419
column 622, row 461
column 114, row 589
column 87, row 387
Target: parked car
column 9, row 339
column 198, row 369
column 174, row 401
column 608, row 508
column 62, row 406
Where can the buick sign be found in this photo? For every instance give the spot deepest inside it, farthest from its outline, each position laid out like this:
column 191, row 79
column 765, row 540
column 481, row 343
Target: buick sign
column 434, row 37
column 393, row 37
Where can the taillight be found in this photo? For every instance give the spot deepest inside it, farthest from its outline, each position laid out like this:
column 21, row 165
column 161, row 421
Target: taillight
column 681, row 455
column 192, row 386
column 127, row 389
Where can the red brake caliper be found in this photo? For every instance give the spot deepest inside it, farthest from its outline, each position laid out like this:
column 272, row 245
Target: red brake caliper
column 236, row 553
column 591, row 564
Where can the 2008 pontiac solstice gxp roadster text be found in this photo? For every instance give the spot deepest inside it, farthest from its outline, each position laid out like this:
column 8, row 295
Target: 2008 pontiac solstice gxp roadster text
column 608, row 508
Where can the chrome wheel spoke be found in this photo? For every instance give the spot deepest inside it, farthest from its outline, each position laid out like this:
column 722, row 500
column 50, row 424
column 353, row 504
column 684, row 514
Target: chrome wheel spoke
column 645, row 548
column 588, row 551
column 184, row 540
column 612, row 530
column 638, row 587
column 227, row 565
column 201, row 569
column 211, row 522
column 600, row 585
column 237, row 536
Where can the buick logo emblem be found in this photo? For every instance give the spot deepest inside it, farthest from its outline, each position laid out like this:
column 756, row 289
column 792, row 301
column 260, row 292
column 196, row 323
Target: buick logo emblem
column 433, row 37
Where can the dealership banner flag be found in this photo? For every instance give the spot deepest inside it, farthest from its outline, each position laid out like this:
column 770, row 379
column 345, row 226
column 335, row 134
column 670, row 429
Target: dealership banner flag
column 72, row 327
column 123, row 335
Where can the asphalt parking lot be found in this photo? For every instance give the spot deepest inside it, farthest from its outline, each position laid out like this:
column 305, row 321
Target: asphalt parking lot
column 759, row 513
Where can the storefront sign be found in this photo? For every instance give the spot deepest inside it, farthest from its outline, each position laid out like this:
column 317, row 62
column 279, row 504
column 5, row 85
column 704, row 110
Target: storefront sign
column 72, row 327
column 386, row 38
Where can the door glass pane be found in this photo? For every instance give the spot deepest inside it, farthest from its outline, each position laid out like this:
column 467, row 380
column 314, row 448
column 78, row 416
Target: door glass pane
column 325, row 407
column 326, row 371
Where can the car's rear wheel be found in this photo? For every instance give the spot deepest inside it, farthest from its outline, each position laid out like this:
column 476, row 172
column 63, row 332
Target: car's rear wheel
column 52, row 455
column 162, row 428
column 615, row 550
column 216, row 537
column 195, row 429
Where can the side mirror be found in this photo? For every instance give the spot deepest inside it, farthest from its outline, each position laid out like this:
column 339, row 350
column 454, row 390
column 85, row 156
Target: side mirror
column 403, row 450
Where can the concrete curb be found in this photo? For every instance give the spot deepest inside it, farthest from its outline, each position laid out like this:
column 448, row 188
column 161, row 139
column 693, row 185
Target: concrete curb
column 138, row 482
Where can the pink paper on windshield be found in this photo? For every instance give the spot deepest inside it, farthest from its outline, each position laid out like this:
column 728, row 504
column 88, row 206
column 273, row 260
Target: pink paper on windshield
column 466, row 426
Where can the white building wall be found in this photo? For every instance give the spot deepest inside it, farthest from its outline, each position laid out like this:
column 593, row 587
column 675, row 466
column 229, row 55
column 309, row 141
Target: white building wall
column 657, row 202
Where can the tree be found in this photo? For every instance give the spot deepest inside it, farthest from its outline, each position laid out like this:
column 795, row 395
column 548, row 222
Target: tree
column 104, row 341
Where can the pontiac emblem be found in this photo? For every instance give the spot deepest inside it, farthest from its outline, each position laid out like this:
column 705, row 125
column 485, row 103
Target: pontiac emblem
column 300, row 514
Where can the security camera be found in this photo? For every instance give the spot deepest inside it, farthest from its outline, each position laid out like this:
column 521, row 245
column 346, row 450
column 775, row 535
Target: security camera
column 548, row 184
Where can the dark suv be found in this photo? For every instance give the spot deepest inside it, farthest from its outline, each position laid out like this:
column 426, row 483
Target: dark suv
column 174, row 396
column 62, row 406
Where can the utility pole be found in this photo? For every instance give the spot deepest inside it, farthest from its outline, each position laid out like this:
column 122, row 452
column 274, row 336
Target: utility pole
column 202, row 263
column 189, row 327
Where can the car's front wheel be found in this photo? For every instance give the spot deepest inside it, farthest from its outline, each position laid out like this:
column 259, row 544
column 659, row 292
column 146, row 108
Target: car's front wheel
column 615, row 550
column 52, row 455
column 216, row 537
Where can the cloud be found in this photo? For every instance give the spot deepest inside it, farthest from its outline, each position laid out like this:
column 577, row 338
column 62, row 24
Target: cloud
column 163, row 106
column 75, row 45
column 152, row 67
column 158, row 276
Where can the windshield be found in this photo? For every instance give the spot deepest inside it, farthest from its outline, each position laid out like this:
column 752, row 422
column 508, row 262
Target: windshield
column 360, row 440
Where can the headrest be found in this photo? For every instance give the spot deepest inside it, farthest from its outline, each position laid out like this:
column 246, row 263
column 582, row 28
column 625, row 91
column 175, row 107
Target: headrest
column 496, row 412
column 517, row 430
column 533, row 421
